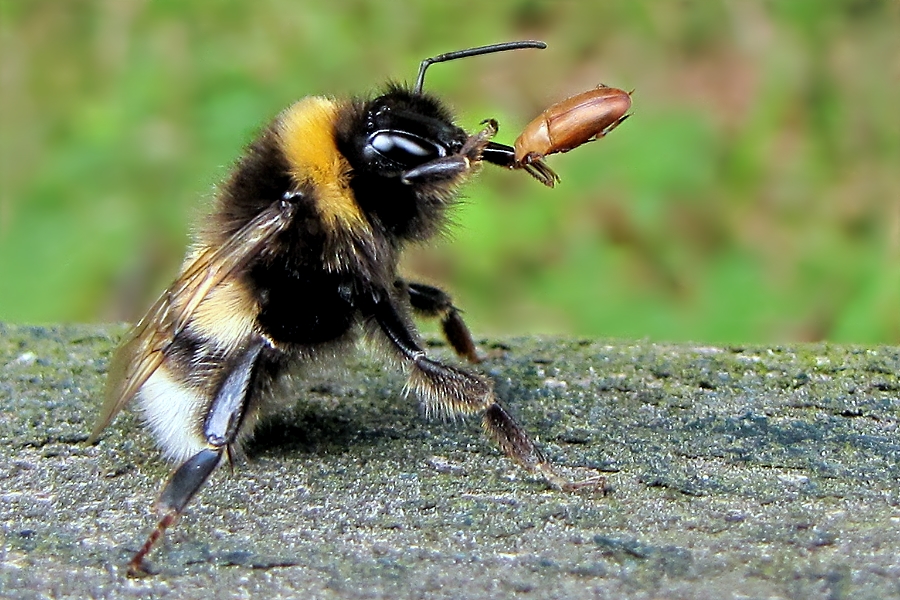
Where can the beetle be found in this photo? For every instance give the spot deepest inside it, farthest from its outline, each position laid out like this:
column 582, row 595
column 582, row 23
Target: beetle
column 566, row 125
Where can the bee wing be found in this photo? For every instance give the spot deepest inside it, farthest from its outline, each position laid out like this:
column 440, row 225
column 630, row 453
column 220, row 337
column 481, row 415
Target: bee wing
column 144, row 347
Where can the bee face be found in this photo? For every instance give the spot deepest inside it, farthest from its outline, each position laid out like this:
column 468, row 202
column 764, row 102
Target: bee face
column 406, row 158
column 403, row 131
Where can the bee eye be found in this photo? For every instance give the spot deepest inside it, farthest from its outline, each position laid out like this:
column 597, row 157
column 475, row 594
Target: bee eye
column 405, row 148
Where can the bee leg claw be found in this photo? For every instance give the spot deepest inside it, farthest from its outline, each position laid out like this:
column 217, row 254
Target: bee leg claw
column 558, row 482
column 597, row 483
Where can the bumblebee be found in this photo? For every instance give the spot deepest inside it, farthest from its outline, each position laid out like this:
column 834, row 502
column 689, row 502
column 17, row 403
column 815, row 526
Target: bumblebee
column 298, row 261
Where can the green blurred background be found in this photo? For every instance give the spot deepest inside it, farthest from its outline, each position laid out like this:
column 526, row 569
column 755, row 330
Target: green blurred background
column 753, row 197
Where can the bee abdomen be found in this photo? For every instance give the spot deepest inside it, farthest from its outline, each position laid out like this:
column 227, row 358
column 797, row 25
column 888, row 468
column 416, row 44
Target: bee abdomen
column 174, row 411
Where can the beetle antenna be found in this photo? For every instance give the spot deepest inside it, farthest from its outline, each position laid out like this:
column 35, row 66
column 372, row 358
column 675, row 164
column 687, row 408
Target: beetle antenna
column 420, row 80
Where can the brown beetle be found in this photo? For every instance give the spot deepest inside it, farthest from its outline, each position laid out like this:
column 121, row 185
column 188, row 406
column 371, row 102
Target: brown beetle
column 566, row 125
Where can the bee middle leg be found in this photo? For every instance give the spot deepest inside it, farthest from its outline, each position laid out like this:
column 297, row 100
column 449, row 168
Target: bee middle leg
column 220, row 428
column 433, row 302
column 452, row 391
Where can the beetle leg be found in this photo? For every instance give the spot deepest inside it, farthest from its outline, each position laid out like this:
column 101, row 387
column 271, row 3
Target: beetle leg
column 433, row 302
column 612, row 126
column 221, row 427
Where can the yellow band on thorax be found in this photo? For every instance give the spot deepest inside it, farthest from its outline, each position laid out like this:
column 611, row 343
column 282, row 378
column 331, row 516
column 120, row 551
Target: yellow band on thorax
column 307, row 138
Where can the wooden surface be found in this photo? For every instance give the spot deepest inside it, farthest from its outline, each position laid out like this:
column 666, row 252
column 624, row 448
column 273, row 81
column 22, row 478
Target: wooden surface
column 735, row 472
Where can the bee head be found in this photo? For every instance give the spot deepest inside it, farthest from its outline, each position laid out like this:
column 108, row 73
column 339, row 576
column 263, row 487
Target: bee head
column 406, row 155
column 404, row 130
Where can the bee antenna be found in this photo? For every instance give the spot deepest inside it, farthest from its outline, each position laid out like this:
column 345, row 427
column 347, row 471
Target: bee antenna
column 420, row 80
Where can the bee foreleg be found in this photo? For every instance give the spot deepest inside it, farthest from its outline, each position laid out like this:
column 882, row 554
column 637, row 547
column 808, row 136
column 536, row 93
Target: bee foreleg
column 453, row 165
column 220, row 428
column 433, row 302
column 446, row 167
column 500, row 155
column 452, row 391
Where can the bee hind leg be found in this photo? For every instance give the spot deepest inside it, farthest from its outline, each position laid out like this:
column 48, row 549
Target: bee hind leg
column 221, row 427
column 181, row 487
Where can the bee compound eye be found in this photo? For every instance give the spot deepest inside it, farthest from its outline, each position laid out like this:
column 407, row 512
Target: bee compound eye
column 404, row 148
